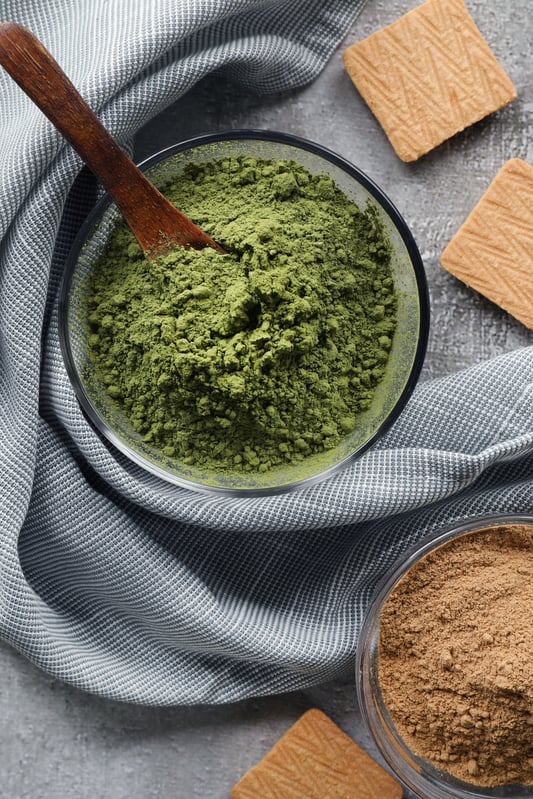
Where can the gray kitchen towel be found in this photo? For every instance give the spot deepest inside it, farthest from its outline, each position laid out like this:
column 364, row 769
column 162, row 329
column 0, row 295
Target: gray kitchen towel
column 107, row 580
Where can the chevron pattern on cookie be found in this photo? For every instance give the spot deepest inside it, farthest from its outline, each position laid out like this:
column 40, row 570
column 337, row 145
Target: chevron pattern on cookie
column 427, row 76
column 315, row 759
column 493, row 250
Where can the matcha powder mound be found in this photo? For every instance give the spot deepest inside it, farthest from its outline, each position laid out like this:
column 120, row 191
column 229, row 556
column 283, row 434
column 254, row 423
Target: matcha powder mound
column 260, row 357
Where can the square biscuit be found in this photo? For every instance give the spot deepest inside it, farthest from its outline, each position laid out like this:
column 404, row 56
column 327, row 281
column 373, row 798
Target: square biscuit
column 315, row 759
column 427, row 76
column 493, row 249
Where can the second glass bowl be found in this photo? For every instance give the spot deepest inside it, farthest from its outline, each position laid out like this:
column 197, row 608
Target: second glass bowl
column 418, row 774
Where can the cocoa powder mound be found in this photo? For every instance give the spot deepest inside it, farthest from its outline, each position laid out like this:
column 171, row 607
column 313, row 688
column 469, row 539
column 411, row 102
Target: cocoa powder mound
column 456, row 656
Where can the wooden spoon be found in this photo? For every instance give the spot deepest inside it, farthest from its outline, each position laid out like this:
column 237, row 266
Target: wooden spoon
column 156, row 223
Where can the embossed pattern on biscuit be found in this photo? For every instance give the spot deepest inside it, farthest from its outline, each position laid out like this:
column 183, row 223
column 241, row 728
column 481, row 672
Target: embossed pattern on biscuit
column 492, row 251
column 427, row 76
column 315, row 759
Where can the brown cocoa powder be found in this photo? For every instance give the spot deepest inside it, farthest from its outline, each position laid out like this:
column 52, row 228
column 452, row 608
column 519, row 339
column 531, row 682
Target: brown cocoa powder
column 456, row 656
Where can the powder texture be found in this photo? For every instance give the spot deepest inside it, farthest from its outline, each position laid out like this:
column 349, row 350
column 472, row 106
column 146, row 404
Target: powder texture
column 260, row 357
column 456, row 656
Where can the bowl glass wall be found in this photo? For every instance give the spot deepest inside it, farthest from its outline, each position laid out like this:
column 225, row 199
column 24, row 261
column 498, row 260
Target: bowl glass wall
column 406, row 354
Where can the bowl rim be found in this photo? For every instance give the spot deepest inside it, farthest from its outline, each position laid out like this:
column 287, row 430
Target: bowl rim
column 405, row 765
column 99, row 424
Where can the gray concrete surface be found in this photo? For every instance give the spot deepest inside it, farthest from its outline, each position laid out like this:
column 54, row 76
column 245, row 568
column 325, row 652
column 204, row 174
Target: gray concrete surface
column 57, row 742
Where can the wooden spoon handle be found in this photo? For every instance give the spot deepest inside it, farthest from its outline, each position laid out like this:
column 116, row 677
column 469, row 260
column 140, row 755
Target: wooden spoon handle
column 154, row 220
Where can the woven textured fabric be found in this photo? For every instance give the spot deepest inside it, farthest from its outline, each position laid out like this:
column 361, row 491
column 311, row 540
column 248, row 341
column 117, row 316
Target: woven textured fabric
column 112, row 582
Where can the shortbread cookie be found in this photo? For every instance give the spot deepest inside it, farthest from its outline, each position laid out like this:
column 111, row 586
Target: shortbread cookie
column 315, row 759
column 493, row 250
column 427, row 76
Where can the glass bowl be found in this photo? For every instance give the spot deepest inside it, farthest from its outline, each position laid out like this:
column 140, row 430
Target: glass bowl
column 406, row 354
column 421, row 776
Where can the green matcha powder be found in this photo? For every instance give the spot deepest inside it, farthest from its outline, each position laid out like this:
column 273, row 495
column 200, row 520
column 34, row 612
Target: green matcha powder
column 247, row 361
